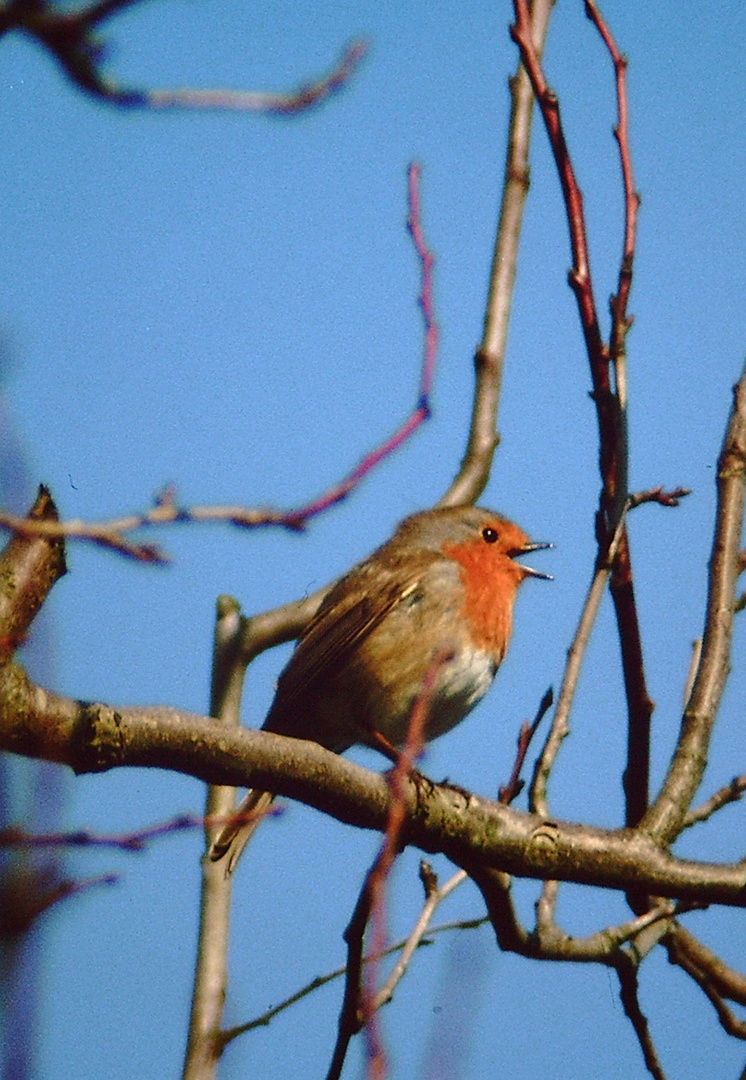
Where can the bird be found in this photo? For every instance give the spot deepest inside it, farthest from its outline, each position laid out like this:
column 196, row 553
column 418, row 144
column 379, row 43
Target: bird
column 439, row 592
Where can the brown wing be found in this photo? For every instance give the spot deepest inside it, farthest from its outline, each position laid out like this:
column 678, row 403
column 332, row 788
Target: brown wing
column 348, row 615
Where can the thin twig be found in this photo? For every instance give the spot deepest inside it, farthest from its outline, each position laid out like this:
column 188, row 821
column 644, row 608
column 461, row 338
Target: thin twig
column 322, row 980
column 12, row 836
column 435, row 897
column 627, row 972
column 580, row 276
column 509, row 792
column 421, row 413
column 658, row 495
column 166, row 510
column 560, row 724
column 731, row 793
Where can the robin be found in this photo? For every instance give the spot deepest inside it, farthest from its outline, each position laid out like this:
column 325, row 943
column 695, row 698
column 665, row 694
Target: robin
column 443, row 586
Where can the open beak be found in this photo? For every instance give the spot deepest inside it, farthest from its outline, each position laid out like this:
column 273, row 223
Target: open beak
column 526, row 550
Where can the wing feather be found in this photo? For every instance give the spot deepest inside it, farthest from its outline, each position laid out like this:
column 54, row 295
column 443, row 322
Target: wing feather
column 349, row 614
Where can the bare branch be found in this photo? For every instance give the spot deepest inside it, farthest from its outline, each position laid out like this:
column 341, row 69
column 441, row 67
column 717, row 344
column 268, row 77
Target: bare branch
column 627, row 972
column 712, row 975
column 618, row 305
column 510, row 791
column 29, row 567
column 561, row 723
column 483, row 439
column 468, row 829
column 689, row 953
column 204, row 1045
column 166, row 511
column 435, row 895
column 69, row 36
column 287, row 104
column 658, row 495
column 138, row 841
column 421, row 412
column 359, row 1008
column 580, row 276
column 610, row 399
column 25, row 897
column 731, row 793
column 665, row 818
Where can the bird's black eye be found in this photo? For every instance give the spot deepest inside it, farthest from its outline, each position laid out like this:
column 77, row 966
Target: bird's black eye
column 489, row 535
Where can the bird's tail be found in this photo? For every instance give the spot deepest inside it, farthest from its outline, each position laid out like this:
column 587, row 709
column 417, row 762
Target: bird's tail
column 233, row 837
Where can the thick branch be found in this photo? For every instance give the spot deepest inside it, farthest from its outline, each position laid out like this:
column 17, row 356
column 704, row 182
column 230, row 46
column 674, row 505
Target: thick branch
column 469, row 830
column 29, row 567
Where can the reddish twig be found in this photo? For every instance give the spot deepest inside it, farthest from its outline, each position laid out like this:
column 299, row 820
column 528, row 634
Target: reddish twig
column 620, row 321
column 580, row 275
column 421, row 413
column 110, row 535
column 358, row 1006
column 658, row 495
column 610, row 400
column 639, row 704
column 510, row 791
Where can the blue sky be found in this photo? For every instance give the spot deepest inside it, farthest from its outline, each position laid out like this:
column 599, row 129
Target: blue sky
column 228, row 303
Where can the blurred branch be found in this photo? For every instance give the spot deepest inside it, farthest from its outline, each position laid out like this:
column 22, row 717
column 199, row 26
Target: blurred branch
column 435, row 894
column 24, row 898
column 14, row 837
column 305, row 97
column 70, row 38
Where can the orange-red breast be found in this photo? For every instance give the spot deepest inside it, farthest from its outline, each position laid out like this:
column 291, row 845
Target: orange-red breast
column 443, row 586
